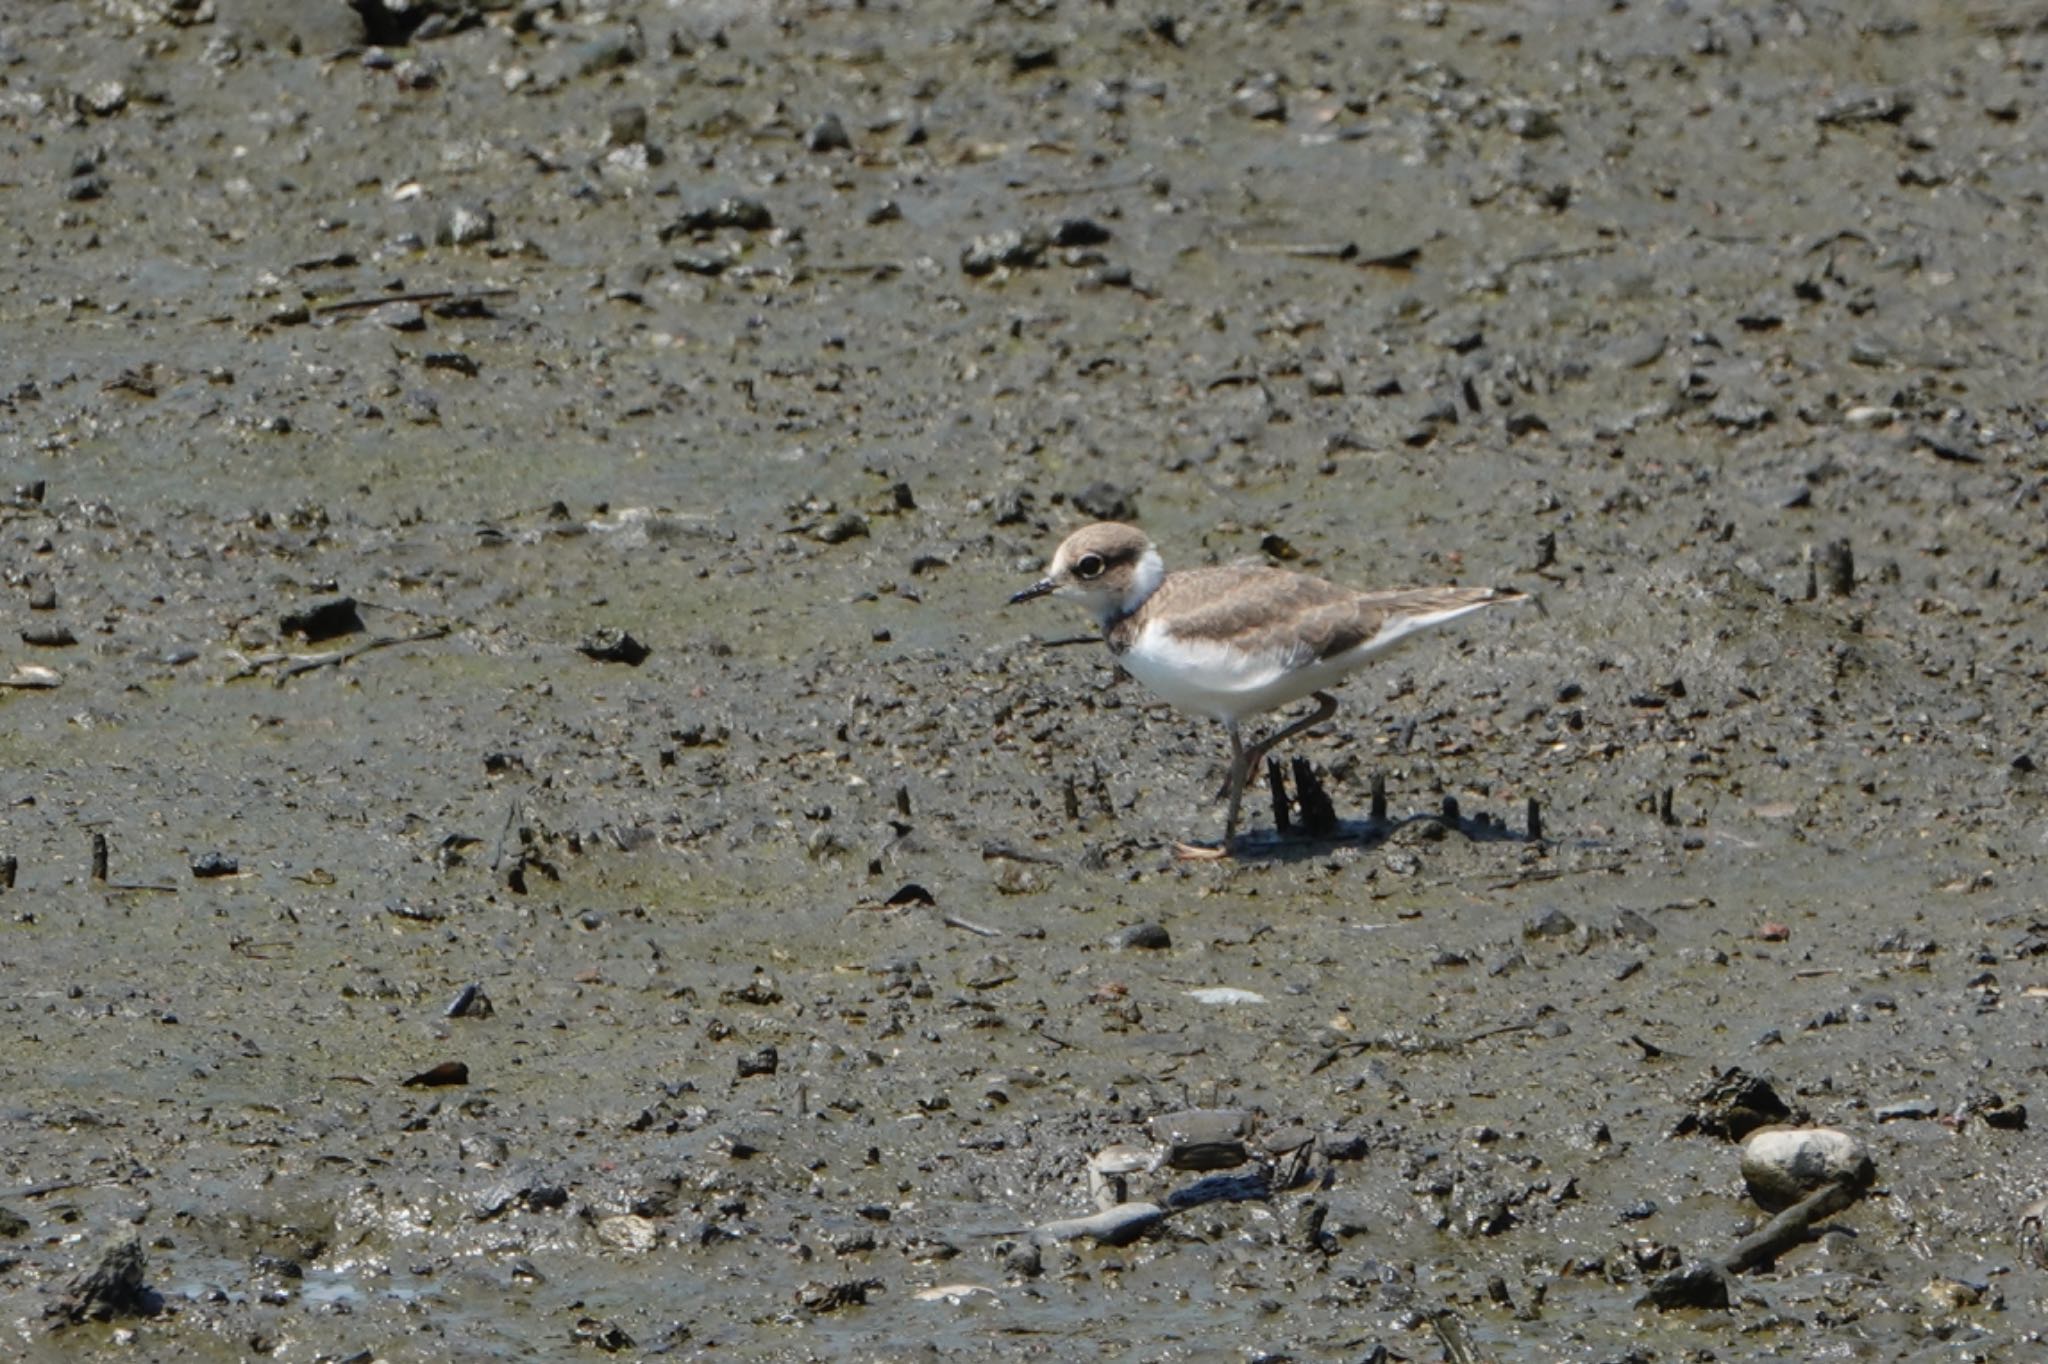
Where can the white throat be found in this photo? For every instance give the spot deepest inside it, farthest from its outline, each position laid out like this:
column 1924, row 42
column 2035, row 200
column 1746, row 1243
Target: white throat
column 1145, row 580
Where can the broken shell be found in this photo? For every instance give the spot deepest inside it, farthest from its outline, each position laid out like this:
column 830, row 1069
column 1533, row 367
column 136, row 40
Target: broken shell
column 955, row 1293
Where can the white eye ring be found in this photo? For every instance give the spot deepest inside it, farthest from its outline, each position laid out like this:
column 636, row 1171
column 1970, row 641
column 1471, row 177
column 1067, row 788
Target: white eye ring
column 1088, row 566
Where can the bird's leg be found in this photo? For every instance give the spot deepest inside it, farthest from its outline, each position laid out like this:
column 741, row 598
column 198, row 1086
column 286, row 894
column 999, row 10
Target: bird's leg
column 1243, row 762
column 1326, row 706
column 1233, row 790
column 1240, row 770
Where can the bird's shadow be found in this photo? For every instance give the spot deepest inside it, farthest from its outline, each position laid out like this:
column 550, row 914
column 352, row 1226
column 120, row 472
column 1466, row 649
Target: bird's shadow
column 1306, row 825
column 1298, row 845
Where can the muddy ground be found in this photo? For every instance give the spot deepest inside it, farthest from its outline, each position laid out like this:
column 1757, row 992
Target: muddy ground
column 788, row 340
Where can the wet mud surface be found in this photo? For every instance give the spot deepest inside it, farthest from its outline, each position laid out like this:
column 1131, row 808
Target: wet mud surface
column 803, row 956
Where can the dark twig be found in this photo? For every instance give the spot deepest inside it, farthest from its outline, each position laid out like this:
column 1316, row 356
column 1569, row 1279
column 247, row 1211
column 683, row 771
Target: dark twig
column 1557, row 873
column 1450, row 1333
column 336, row 657
column 353, row 305
column 1790, row 1227
column 1705, row 1282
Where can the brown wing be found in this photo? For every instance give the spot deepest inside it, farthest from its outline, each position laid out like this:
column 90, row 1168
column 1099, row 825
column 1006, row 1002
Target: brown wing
column 1301, row 617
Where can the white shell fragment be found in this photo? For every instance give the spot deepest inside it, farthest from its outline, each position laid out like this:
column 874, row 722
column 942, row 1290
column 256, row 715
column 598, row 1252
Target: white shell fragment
column 956, row 1293
column 1225, row 994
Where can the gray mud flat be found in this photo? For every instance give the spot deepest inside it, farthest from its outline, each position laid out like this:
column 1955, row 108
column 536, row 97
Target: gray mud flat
column 674, row 393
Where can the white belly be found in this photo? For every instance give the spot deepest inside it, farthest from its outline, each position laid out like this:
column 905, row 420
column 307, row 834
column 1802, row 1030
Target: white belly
column 1207, row 678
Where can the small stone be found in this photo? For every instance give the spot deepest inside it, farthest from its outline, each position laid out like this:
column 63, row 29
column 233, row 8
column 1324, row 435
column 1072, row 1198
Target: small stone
column 609, row 644
column 1012, row 248
column 418, row 74
column 1260, row 100
column 1033, row 57
column 401, row 317
column 1079, row 232
column 467, row 226
column 828, row 134
column 1734, row 1104
column 1527, row 121
column 1147, row 937
column 1781, row 1165
column 611, row 50
column 324, row 620
column 105, row 98
column 211, row 864
column 452, row 360
column 762, row 1062
column 626, row 126
column 1107, row 501
column 843, row 527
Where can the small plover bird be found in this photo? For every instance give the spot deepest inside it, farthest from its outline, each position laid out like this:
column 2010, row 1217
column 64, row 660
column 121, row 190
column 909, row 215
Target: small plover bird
column 1233, row 641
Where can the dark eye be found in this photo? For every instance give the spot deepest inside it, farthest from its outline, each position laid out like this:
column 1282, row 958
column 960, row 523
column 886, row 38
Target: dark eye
column 1088, row 566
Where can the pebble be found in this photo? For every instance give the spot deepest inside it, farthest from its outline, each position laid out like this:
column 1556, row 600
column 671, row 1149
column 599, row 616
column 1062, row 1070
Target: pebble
column 608, row 51
column 1147, row 937
column 467, row 225
column 828, row 134
column 1079, row 232
column 609, row 644
column 104, row 98
column 1781, row 1165
column 401, row 317
column 1107, row 501
column 626, row 126
column 846, row 526
column 626, row 1232
column 1012, row 248
column 322, row 621
column 1260, row 100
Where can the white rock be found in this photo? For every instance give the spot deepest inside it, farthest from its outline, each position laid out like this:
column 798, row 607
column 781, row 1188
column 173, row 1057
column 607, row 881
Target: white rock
column 1782, row 1165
